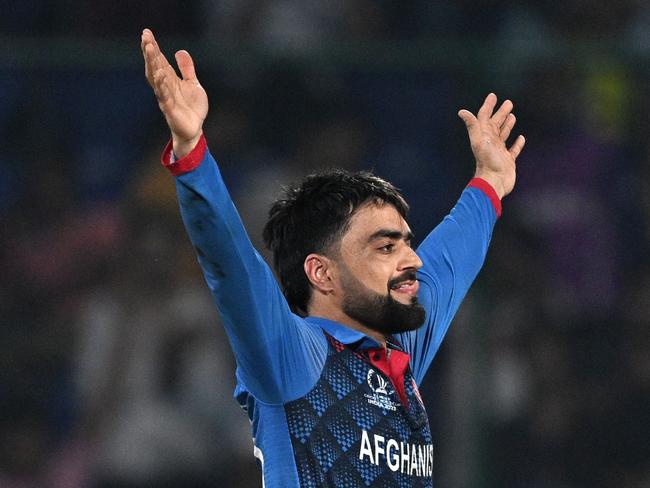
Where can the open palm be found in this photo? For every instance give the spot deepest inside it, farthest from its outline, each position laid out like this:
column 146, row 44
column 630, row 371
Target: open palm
column 183, row 102
column 488, row 132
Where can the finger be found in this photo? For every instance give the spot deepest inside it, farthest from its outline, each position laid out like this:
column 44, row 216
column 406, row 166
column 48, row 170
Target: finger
column 518, row 145
column 158, row 67
column 154, row 62
column 156, row 83
column 147, row 39
column 162, row 85
column 186, row 65
column 154, row 58
column 149, row 62
column 488, row 107
column 165, row 90
column 507, row 127
column 470, row 121
column 159, row 54
column 500, row 115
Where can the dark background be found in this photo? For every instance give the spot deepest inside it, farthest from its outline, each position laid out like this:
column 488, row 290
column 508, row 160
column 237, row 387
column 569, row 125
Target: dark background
column 114, row 371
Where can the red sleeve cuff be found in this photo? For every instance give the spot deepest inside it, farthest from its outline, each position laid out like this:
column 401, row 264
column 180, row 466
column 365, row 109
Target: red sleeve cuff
column 187, row 163
column 486, row 188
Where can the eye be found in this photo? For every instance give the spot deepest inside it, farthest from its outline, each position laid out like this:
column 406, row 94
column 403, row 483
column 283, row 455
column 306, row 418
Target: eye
column 387, row 248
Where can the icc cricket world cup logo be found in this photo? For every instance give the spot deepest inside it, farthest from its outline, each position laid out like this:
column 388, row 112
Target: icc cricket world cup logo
column 378, row 383
column 381, row 391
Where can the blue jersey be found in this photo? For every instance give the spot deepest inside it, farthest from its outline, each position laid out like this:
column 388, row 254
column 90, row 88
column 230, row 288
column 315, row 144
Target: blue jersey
column 329, row 406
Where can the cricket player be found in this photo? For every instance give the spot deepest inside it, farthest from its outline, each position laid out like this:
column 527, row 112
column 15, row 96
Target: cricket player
column 330, row 358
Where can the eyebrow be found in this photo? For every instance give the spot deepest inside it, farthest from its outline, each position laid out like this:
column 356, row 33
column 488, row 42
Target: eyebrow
column 391, row 234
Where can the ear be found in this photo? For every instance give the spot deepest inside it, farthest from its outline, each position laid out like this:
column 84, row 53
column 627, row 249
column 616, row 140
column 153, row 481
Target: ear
column 318, row 269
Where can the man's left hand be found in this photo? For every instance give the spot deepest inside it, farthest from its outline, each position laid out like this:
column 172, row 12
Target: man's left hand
column 488, row 132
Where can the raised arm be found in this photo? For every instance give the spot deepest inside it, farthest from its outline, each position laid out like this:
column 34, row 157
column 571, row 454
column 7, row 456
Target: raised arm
column 454, row 252
column 277, row 354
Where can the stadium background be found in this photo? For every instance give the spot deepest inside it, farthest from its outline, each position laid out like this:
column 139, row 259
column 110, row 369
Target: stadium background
column 113, row 369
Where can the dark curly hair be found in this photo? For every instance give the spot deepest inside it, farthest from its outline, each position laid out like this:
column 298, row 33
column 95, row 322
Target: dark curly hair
column 313, row 216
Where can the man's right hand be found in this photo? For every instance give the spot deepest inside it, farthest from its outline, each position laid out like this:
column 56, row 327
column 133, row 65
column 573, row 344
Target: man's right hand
column 183, row 102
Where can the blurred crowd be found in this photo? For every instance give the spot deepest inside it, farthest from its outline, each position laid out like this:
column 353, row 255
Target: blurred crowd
column 115, row 371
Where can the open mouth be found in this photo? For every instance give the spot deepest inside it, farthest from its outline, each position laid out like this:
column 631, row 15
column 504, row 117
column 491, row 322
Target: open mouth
column 408, row 287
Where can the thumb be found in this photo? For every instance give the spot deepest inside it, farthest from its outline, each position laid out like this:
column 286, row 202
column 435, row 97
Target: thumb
column 185, row 65
column 467, row 117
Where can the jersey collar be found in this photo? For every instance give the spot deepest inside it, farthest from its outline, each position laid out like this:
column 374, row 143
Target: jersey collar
column 345, row 335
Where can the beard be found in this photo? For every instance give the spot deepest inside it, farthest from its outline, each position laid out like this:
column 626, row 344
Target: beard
column 381, row 313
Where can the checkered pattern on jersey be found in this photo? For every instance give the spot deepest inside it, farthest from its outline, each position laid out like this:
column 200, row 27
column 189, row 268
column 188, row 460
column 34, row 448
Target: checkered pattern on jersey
column 326, row 427
column 417, row 414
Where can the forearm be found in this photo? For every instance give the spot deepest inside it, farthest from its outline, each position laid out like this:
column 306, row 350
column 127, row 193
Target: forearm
column 455, row 250
column 452, row 255
column 212, row 222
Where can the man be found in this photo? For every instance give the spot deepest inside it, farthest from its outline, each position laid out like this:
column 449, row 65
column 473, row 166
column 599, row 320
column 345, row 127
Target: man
column 328, row 367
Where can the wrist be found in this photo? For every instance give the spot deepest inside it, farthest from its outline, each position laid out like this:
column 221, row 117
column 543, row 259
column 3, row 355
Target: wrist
column 495, row 181
column 182, row 147
column 186, row 164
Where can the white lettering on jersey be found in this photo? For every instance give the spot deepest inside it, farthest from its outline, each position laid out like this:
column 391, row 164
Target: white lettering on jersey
column 411, row 459
column 366, row 448
column 392, row 459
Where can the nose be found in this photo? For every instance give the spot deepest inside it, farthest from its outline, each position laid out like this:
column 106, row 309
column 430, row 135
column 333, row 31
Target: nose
column 410, row 260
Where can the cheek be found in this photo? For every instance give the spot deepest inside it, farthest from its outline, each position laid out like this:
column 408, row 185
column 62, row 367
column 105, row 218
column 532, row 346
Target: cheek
column 374, row 276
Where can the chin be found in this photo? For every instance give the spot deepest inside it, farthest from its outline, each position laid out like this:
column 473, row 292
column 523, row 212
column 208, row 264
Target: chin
column 403, row 298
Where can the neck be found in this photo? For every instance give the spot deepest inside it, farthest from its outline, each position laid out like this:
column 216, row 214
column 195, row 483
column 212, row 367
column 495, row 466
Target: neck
column 337, row 315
